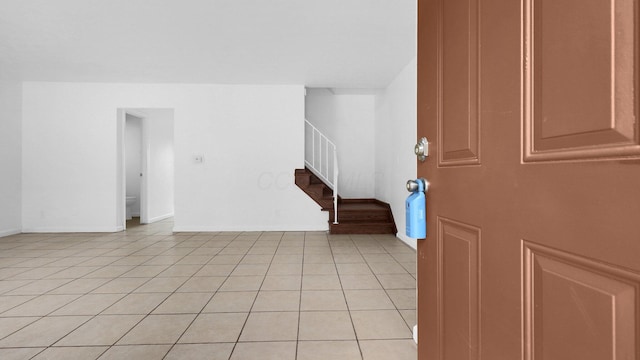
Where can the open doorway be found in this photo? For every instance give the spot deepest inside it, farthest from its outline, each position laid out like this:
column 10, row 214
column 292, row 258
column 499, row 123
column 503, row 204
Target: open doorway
column 145, row 166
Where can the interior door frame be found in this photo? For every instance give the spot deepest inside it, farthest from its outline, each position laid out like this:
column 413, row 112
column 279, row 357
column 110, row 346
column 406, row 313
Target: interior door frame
column 121, row 170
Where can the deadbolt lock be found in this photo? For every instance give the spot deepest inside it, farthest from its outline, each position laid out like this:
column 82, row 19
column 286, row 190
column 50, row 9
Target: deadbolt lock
column 422, row 149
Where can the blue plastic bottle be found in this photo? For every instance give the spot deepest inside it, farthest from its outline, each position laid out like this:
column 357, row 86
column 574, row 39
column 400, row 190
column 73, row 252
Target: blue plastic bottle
column 416, row 213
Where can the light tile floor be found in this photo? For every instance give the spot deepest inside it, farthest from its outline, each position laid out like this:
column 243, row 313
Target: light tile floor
column 148, row 293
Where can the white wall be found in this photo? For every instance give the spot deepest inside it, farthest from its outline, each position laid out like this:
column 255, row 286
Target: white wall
column 10, row 158
column 133, row 160
column 347, row 119
column 251, row 138
column 395, row 137
column 158, row 140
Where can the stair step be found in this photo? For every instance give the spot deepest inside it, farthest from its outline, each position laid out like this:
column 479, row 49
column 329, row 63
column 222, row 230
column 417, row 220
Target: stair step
column 356, row 216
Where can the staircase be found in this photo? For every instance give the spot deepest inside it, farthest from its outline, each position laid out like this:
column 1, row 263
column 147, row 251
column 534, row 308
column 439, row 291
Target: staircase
column 355, row 216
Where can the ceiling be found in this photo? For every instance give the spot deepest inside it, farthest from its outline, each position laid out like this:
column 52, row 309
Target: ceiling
column 318, row 43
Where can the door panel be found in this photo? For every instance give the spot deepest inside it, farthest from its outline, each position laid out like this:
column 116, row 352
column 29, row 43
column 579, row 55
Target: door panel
column 575, row 308
column 459, row 280
column 581, row 95
column 458, row 62
column 533, row 242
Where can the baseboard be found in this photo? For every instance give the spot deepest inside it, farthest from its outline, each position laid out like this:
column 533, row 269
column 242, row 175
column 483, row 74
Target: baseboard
column 100, row 229
column 159, row 218
column 10, row 232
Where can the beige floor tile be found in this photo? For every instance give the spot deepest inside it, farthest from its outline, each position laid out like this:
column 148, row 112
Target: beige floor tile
column 180, row 271
column 354, row 269
column 387, row 268
column 195, row 260
column 282, row 282
column 378, row 257
column 38, row 287
column 322, row 300
column 202, row 284
column 109, row 271
column 242, row 283
column 8, row 285
column 6, row 273
column 256, row 259
column 208, row 251
column 224, row 257
column 101, row 330
column 183, row 303
column 12, row 324
column 164, row 260
column 250, row 269
column 215, row 270
column 319, row 269
column 37, row 273
column 405, row 257
column 397, row 281
column 271, row 326
column 403, row 299
column 285, row 269
column 389, row 349
column 368, row 300
column 218, row 327
column 286, row 249
column 233, row 301
column 133, row 304
column 137, row 352
column 120, row 286
column 326, row 325
column 41, row 305
column 360, row 282
column 91, row 304
column 321, row 282
column 161, row 285
column 73, row 272
column 99, row 261
column 410, row 317
column 79, row 286
column 348, row 258
column 380, row 324
column 158, row 329
column 280, row 258
column 43, row 332
column 277, row 301
column 145, row 271
column 282, row 350
column 71, row 353
column 263, row 249
column 19, row 353
column 133, row 260
column 220, row 351
column 8, row 302
column 411, row 267
column 311, row 258
column 324, row 350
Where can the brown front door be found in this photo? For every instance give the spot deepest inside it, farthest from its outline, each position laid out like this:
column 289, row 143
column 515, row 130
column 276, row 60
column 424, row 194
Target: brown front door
column 533, row 214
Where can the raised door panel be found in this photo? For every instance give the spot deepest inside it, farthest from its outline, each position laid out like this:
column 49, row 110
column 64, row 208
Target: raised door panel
column 459, row 303
column 576, row 308
column 458, row 68
column 581, row 79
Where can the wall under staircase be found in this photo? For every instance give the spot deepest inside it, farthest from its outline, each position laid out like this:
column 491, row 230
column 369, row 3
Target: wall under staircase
column 355, row 216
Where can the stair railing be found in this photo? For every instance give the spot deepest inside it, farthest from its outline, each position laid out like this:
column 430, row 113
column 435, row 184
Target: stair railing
column 316, row 157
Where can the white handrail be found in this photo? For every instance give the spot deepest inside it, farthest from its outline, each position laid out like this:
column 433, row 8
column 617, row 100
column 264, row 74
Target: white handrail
column 319, row 164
